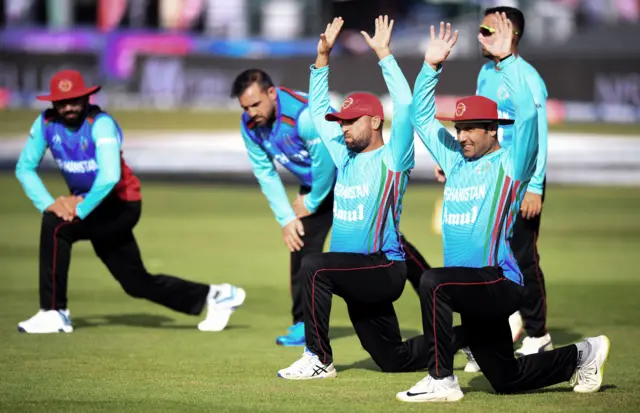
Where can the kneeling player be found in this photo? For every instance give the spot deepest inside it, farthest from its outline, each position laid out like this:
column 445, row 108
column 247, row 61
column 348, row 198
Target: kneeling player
column 481, row 280
column 365, row 265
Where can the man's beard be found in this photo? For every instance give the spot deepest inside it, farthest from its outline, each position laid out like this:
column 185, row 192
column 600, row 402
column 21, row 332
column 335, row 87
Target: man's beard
column 357, row 145
column 72, row 117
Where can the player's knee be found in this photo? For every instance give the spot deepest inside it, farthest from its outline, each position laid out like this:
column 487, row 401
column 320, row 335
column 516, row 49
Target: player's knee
column 312, row 263
column 50, row 221
column 136, row 288
column 429, row 281
column 503, row 387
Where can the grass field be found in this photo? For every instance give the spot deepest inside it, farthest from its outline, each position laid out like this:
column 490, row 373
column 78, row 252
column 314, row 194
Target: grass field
column 17, row 122
column 129, row 355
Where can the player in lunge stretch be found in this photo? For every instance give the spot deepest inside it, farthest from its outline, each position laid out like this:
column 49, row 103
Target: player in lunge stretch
column 366, row 263
column 104, row 205
column 481, row 279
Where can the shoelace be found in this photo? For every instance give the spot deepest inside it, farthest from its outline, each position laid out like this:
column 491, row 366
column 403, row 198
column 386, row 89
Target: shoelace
column 303, row 363
column 585, row 375
column 427, row 382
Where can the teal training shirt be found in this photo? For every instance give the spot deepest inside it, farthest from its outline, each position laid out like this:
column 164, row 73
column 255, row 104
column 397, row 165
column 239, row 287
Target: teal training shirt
column 481, row 196
column 370, row 185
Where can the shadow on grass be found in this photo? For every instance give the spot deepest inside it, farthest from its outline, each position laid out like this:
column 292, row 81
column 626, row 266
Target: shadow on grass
column 480, row 383
column 139, row 320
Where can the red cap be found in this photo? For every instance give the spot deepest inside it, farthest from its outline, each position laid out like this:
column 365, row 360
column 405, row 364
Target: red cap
column 476, row 109
column 67, row 84
column 357, row 105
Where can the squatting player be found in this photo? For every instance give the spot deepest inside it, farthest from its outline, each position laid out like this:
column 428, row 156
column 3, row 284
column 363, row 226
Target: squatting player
column 103, row 206
column 366, row 264
column 276, row 125
column 481, row 279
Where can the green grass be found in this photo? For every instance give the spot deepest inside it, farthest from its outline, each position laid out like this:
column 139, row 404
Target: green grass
column 17, row 122
column 129, row 355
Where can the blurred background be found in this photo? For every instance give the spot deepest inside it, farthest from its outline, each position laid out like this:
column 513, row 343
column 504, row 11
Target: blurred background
column 166, row 68
column 179, row 57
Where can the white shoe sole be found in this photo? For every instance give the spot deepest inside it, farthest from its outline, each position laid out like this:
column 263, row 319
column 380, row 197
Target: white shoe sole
column 63, row 329
column 331, row 375
column 452, row 395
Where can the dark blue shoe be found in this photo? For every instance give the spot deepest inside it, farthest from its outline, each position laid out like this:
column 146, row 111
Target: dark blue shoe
column 295, row 337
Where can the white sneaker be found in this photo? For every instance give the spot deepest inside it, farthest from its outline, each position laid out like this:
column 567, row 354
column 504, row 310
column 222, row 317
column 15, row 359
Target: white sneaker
column 308, row 367
column 592, row 354
column 222, row 301
column 516, row 324
column 433, row 390
column 471, row 366
column 47, row 321
column 533, row 345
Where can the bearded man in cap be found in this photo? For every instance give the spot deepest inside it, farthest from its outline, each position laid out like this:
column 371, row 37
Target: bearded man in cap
column 366, row 262
column 481, row 279
column 103, row 206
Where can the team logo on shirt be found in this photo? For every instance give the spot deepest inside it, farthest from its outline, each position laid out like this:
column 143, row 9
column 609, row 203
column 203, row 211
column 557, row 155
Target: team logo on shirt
column 347, row 102
column 460, row 109
column 65, row 85
column 83, row 143
column 503, row 93
column 483, row 168
column 287, row 139
column 56, row 141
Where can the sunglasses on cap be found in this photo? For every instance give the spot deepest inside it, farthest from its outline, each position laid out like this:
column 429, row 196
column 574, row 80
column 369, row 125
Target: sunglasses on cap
column 487, row 31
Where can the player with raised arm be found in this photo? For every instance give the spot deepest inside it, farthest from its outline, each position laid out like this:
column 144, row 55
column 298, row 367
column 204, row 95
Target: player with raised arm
column 366, row 264
column 481, row 280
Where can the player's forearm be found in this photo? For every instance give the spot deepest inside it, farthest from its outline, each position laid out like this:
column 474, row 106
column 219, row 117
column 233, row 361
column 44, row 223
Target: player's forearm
column 34, row 188
column 424, row 101
column 536, row 185
column 108, row 159
column 276, row 195
column 401, row 140
column 525, row 141
column 324, row 174
column 322, row 60
column 26, row 171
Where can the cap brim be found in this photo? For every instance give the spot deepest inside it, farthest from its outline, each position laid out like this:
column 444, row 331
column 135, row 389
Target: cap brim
column 71, row 95
column 343, row 115
column 454, row 120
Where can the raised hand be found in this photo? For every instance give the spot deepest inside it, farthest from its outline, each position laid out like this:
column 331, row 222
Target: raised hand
column 499, row 45
column 381, row 38
column 328, row 38
column 440, row 47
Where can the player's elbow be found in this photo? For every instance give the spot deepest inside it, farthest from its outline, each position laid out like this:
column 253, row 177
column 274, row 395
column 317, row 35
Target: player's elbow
column 22, row 170
column 528, row 113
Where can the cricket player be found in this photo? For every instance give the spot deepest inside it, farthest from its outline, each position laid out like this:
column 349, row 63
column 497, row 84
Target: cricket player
column 533, row 310
column 366, row 263
column 481, row 279
column 276, row 126
column 103, row 206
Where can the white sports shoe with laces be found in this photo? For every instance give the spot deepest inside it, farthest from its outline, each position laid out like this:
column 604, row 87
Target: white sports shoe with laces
column 222, row 301
column 47, row 321
column 433, row 390
column 308, row 367
column 593, row 353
